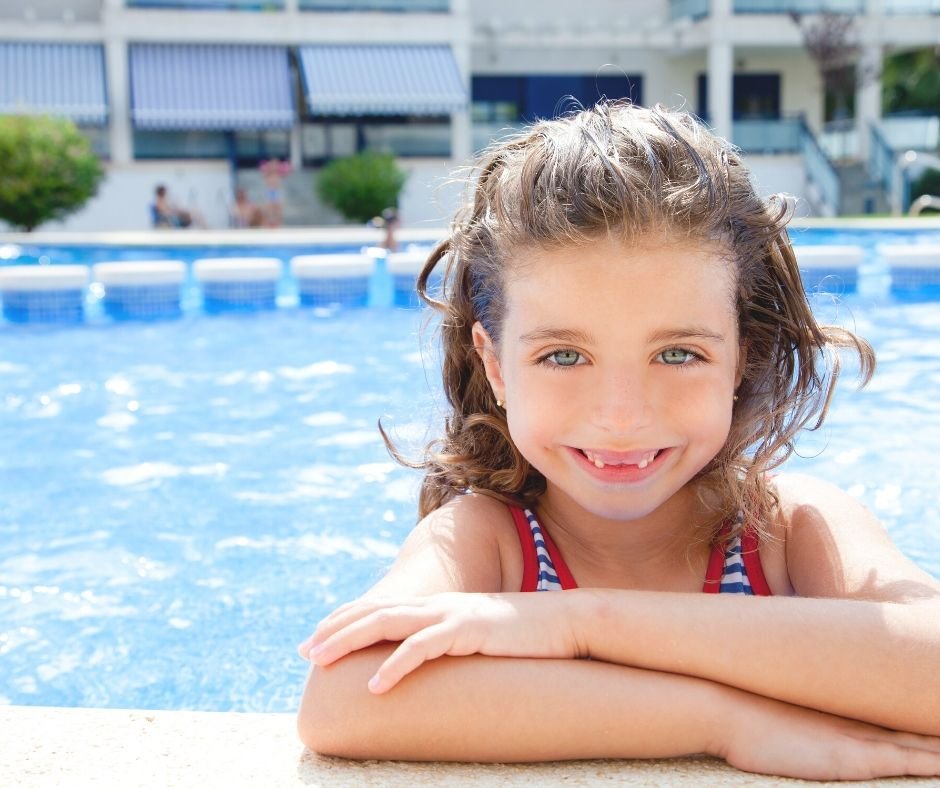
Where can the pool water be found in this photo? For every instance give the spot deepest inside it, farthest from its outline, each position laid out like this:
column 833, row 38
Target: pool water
column 183, row 500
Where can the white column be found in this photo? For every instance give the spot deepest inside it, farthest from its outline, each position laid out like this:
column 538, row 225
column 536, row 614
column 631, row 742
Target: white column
column 868, row 77
column 296, row 147
column 868, row 96
column 118, row 101
column 720, row 67
column 720, row 81
column 461, row 132
column 291, row 6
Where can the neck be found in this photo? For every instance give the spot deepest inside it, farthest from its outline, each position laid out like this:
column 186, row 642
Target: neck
column 647, row 552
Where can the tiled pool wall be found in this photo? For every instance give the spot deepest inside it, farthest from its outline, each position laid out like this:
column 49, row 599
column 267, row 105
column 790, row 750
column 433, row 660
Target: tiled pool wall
column 61, row 287
column 74, row 283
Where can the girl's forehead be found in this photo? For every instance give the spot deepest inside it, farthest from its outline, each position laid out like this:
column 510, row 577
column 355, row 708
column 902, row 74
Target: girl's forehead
column 658, row 268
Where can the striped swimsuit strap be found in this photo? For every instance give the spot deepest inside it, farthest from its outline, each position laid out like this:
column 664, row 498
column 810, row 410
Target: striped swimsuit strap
column 734, row 566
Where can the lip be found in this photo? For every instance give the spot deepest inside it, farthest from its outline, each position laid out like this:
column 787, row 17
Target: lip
column 622, row 474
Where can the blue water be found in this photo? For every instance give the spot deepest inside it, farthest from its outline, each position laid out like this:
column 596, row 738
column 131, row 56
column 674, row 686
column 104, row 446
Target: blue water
column 183, row 500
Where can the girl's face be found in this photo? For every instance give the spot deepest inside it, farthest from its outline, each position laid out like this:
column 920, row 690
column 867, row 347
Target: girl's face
column 617, row 367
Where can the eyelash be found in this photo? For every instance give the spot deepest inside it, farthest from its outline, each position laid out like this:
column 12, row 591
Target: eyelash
column 546, row 359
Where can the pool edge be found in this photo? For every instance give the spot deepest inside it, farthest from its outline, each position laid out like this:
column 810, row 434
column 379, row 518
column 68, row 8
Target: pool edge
column 74, row 746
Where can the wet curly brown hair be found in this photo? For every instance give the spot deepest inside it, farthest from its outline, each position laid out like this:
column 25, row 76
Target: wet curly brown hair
column 625, row 171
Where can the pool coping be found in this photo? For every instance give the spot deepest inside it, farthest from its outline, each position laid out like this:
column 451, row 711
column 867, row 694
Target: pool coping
column 77, row 746
column 291, row 236
column 339, row 234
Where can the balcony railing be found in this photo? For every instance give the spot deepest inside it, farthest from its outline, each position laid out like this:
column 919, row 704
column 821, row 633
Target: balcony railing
column 210, row 5
column 910, row 7
column 696, row 9
column 799, row 6
column 396, row 6
column 819, row 169
column 779, row 135
column 881, row 159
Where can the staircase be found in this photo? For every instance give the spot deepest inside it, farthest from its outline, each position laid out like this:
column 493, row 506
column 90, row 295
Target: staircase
column 302, row 206
column 861, row 194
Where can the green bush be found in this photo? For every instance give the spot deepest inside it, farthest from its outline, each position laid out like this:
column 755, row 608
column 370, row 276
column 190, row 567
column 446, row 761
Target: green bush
column 928, row 183
column 360, row 187
column 47, row 170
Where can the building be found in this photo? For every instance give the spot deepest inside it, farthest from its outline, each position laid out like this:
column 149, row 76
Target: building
column 195, row 93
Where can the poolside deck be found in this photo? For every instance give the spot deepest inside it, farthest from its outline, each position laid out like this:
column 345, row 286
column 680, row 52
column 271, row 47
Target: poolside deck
column 79, row 747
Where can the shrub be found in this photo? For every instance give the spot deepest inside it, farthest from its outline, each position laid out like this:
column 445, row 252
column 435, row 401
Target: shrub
column 928, row 183
column 47, row 170
column 360, row 187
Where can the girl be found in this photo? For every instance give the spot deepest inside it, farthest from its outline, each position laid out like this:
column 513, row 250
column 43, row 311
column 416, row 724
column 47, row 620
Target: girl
column 628, row 352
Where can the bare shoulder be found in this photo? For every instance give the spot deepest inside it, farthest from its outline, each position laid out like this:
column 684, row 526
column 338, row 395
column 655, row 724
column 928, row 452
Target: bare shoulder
column 835, row 547
column 461, row 546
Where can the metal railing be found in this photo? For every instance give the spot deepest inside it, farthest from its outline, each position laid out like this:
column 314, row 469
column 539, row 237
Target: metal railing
column 799, row 6
column 909, row 7
column 777, row 135
column 397, row 6
column 881, row 159
column 209, row 5
column 819, row 169
column 695, row 9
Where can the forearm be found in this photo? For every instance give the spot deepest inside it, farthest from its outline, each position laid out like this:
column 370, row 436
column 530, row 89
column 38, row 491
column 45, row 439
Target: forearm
column 503, row 709
column 870, row 661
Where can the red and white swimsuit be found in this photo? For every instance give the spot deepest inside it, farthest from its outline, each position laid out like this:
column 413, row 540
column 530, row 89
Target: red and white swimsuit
column 733, row 568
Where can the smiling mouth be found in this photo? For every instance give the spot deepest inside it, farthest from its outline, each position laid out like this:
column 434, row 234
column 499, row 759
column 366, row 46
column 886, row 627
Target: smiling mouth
column 636, row 459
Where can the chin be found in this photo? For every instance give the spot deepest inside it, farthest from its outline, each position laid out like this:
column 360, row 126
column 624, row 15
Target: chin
column 621, row 511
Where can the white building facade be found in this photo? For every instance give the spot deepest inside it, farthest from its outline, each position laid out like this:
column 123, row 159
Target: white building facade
column 195, row 93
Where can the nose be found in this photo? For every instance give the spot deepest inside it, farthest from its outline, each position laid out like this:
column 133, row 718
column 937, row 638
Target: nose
column 622, row 403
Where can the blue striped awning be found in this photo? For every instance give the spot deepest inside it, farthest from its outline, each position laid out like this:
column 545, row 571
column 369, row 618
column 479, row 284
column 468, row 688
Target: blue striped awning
column 381, row 80
column 54, row 79
column 210, row 86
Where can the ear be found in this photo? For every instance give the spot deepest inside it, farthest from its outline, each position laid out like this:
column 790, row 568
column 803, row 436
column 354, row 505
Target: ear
column 486, row 350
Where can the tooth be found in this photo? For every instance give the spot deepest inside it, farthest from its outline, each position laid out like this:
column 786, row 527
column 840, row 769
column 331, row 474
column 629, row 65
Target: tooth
column 598, row 462
column 643, row 463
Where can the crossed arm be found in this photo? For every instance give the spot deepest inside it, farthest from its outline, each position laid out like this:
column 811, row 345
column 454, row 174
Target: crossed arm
column 774, row 685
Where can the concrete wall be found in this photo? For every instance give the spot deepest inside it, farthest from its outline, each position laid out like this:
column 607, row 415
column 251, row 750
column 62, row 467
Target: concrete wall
column 124, row 197
column 123, row 201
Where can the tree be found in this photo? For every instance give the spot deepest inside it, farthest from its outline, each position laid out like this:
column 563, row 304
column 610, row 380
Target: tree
column 831, row 41
column 47, row 170
column 912, row 82
column 361, row 186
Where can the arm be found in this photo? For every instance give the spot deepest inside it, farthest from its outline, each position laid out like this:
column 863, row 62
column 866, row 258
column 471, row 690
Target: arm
column 864, row 642
column 513, row 710
column 485, row 708
column 521, row 710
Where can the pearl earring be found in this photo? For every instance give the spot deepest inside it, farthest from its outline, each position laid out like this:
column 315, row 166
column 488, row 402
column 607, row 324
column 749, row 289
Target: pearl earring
column 499, row 403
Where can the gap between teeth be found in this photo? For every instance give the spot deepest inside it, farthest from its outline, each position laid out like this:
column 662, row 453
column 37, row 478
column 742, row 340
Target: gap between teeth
column 599, row 463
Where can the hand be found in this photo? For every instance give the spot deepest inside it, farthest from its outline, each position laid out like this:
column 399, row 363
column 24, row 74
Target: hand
column 771, row 737
column 498, row 625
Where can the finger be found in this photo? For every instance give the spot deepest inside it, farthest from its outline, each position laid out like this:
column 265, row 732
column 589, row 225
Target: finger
column 352, row 611
column 340, row 618
column 425, row 645
column 904, row 760
column 916, row 741
column 385, row 624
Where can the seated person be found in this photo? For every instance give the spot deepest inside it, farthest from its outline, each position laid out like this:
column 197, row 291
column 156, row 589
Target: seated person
column 165, row 214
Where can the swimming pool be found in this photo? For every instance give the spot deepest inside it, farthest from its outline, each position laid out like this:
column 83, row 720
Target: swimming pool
column 184, row 499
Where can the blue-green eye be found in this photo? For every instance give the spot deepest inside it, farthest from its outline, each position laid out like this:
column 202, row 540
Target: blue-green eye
column 677, row 356
column 564, row 358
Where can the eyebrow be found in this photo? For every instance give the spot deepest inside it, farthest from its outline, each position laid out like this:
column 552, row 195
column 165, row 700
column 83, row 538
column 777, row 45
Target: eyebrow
column 685, row 332
column 556, row 335
column 580, row 337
